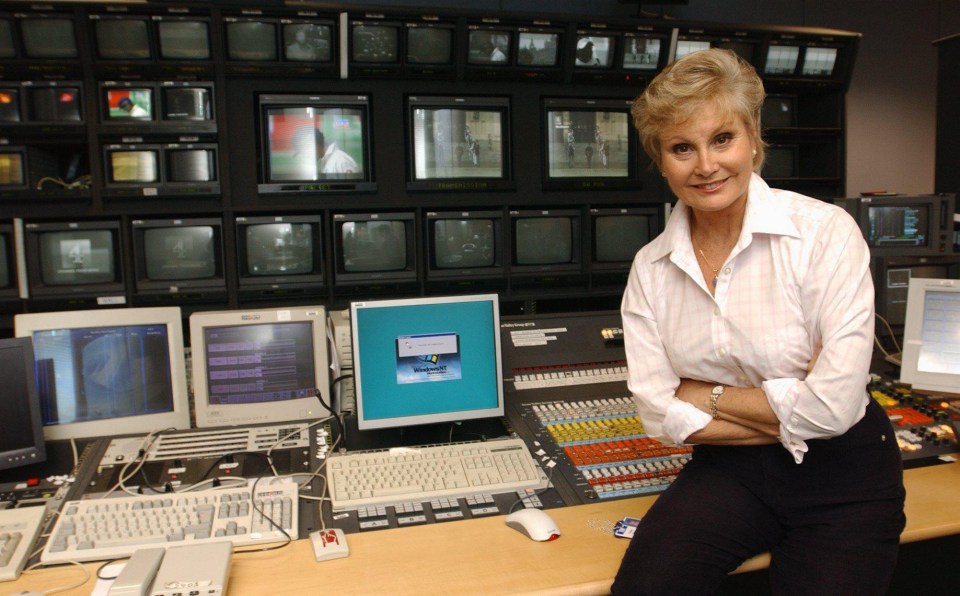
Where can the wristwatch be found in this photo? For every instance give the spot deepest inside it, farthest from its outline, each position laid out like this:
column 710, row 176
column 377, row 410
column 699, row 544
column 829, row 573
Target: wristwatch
column 715, row 394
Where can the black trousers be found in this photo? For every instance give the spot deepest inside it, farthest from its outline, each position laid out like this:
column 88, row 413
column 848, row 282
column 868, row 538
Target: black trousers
column 831, row 524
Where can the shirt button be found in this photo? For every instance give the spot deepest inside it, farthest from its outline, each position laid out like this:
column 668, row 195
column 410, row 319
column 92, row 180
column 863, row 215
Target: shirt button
column 716, row 312
column 722, row 352
column 726, row 270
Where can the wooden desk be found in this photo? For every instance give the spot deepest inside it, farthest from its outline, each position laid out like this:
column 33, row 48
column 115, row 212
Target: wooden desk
column 483, row 556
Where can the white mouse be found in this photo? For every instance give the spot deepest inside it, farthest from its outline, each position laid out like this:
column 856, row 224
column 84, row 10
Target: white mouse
column 534, row 523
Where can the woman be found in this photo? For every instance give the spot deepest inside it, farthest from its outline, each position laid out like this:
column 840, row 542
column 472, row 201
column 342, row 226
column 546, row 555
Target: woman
column 749, row 329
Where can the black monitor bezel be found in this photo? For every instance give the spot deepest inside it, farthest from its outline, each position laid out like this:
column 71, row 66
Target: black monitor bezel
column 252, row 286
column 470, row 274
column 387, row 279
column 26, row 98
column 932, row 203
column 576, row 264
column 356, row 66
column 109, row 291
column 37, row 452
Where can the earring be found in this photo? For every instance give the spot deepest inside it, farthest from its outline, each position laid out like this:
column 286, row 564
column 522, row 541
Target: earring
column 754, row 152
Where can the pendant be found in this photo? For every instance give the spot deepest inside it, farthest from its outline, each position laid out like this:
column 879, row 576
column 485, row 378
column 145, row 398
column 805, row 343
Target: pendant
column 715, row 280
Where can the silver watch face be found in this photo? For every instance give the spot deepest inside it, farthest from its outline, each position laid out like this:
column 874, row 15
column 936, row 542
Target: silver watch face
column 718, row 390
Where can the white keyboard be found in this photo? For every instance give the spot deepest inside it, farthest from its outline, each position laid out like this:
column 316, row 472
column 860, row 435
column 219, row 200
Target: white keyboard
column 18, row 532
column 99, row 529
column 422, row 474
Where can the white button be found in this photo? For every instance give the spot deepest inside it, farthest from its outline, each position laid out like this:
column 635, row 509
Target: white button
column 722, row 352
column 726, row 270
column 716, row 311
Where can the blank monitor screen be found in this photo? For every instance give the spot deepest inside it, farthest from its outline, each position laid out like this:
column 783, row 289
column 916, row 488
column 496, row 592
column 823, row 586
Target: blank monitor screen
column 819, row 61
column 543, row 241
column 538, row 49
column 781, row 60
column 458, row 142
column 464, row 243
column 489, row 46
column 49, row 38
column 77, row 257
column 931, row 336
column 429, row 45
column 7, row 47
column 54, row 104
column 373, row 246
column 595, row 51
column 133, row 166
column 376, row 43
column 252, row 40
column 641, row 53
column 587, row 143
column 9, row 104
column 184, row 40
column 426, row 360
column 11, row 169
column 278, row 249
column 21, row 442
column 307, row 42
column 899, row 225
column 123, row 39
column 617, row 238
column 129, row 103
column 180, row 253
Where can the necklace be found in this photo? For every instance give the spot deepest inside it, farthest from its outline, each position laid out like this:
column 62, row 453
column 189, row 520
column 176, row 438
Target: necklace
column 716, row 270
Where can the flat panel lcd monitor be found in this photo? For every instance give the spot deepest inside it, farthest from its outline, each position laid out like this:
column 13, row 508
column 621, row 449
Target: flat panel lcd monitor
column 259, row 366
column 455, row 137
column 642, row 53
column 595, row 50
column 488, row 46
column 21, row 443
column 251, row 41
column 48, row 38
column 931, row 336
column 781, row 60
column 104, row 373
column 426, row 360
column 429, row 45
column 373, row 42
column 588, row 139
column 538, row 48
column 184, row 39
column 122, row 39
column 308, row 42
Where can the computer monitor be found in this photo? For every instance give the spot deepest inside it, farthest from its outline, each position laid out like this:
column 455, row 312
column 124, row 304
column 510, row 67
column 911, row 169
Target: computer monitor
column 588, row 144
column 279, row 254
column 251, row 39
column 465, row 247
column 459, row 143
column 374, row 248
column 179, row 256
column 122, row 37
column 73, row 259
column 183, row 38
column 616, row 234
column 21, row 442
column 314, row 143
column 931, row 336
column 48, row 37
column 891, row 281
column 259, row 366
column 426, row 360
column 104, row 373
column 904, row 225
column 546, row 242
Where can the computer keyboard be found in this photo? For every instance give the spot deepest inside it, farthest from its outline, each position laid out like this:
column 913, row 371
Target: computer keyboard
column 18, row 532
column 424, row 473
column 99, row 529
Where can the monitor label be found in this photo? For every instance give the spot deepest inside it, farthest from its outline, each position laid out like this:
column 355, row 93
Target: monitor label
column 427, row 358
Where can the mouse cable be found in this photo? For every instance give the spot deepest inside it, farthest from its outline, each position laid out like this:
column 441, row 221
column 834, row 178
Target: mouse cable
column 86, row 576
column 258, row 509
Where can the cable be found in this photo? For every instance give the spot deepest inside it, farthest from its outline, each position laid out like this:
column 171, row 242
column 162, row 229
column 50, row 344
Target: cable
column 535, row 493
column 253, row 502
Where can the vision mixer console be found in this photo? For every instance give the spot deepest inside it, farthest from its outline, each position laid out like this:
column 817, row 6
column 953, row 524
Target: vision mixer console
column 927, row 426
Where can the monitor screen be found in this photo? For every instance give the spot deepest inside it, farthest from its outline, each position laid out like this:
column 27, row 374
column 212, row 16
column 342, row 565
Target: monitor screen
column 429, row 45
column 375, row 43
column 181, row 252
column 133, row 166
column 12, row 170
column 545, row 240
column 468, row 243
column 48, row 38
column 538, row 48
column 279, row 248
column 489, row 46
column 9, row 104
column 782, row 161
column 819, row 62
column 906, row 226
column 184, row 39
column 126, row 103
column 191, row 165
column 55, row 104
column 78, row 257
column 641, row 53
column 307, row 42
column 122, row 39
column 187, row 103
column 589, row 139
column 689, row 46
column 744, row 49
column 595, row 51
column 426, row 360
column 779, row 111
column 7, row 47
column 618, row 236
column 259, row 366
column 253, row 41
column 931, row 336
column 781, row 60
column 21, row 442
column 376, row 245
column 314, row 138
column 108, row 372
column 458, row 137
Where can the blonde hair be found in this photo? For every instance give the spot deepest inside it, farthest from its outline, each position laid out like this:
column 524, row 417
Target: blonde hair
column 683, row 87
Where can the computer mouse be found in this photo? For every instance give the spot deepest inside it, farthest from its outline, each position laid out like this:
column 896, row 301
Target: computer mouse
column 535, row 524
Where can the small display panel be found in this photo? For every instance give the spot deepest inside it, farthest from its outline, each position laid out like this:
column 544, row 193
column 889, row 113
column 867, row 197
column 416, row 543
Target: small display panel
column 99, row 373
column 77, row 257
column 135, row 165
column 54, row 104
column 187, row 103
column 899, row 226
column 538, row 49
column 779, row 111
column 253, row 41
column 375, row 43
column 819, row 62
column 307, row 42
column 373, row 246
column 124, row 103
column 489, row 46
column 122, row 39
column 595, row 51
column 7, row 47
column 184, row 40
column 782, row 161
column 543, row 240
column 464, row 243
column 588, row 141
column 429, row 45
column 191, row 165
column 689, row 46
column 458, row 142
column 9, row 104
column 641, row 53
column 278, row 248
column 180, row 253
column 617, row 238
column 12, row 171
column 781, row 60
column 49, row 38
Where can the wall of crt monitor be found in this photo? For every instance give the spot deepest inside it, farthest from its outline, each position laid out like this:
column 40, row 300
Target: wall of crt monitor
column 277, row 252
column 144, row 38
column 315, row 143
column 459, row 143
column 588, row 144
column 73, row 258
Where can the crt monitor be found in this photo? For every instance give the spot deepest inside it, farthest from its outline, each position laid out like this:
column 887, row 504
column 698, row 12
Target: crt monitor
column 489, row 45
column 122, row 103
column 49, row 37
column 183, row 38
column 643, row 53
column 904, row 225
column 122, row 38
column 186, row 254
column 8, row 48
column 59, row 102
column 21, row 442
column 187, row 102
column 545, row 241
column 374, row 42
column 10, row 104
column 132, row 164
column 251, row 40
column 13, row 168
column 73, row 258
column 465, row 244
column 108, row 372
column 259, row 366
column 595, row 50
column 279, row 251
column 617, row 233
column 374, row 247
column 308, row 41
column 426, row 360
column 781, row 59
column 588, row 142
column 538, row 47
column 429, row 44
column 931, row 336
